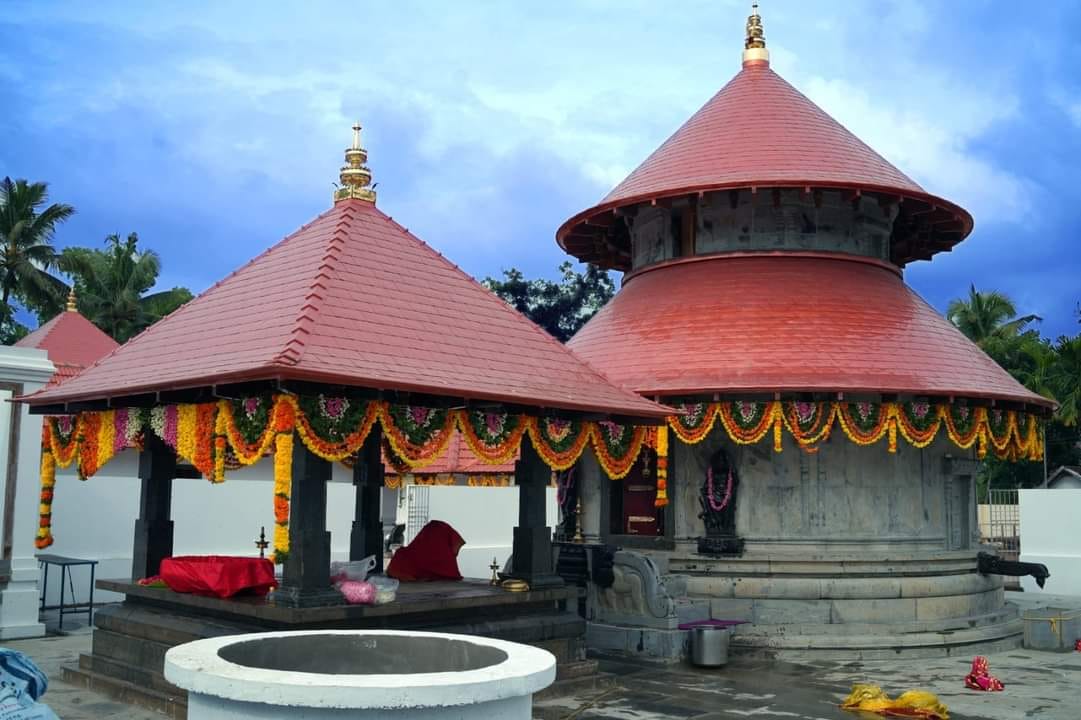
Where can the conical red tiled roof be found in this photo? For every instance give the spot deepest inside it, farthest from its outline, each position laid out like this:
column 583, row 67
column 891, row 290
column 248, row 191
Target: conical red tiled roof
column 72, row 343
column 790, row 323
column 354, row 299
column 760, row 132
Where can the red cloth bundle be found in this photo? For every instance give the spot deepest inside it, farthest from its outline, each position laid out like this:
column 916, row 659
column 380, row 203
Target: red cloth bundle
column 218, row 575
column 980, row 678
column 433, row 555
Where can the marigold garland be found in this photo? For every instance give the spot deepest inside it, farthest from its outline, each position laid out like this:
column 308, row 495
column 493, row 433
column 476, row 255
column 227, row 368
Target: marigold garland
column 694, row 422
column 248, row 452
column 559, row 441
column 44, row 536
column 494, row 438
column 617, row 447
column 349, row 429
column 748, row 422
column 417, row 434
column 661, row 446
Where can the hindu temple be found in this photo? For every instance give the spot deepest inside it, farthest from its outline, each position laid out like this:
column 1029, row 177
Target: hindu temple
column 821, row 473
column 348, row 342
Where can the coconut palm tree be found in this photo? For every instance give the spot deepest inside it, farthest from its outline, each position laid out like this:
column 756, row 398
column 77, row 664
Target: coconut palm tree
column 986, row 315
column 26, row 251
column 110, row 286
column 1066, row 379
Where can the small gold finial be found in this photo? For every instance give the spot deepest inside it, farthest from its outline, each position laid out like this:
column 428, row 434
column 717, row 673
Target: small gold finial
column 71, row 300
column 754, row 47
column 355, row 175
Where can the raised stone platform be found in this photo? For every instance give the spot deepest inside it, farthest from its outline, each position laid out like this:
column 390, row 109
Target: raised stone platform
column 130, row 639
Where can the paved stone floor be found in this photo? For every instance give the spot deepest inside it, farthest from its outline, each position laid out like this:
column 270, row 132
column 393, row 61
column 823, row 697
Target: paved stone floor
column 1041, row 685
column 1038, row 685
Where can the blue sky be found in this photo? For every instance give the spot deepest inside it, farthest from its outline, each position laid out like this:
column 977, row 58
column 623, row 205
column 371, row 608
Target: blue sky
column 215, row 129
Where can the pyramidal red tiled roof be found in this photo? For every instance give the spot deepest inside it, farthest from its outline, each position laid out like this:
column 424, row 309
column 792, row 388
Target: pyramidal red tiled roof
column 354, row 299
column 785, row 323
column 72, row 343
column 759, row 131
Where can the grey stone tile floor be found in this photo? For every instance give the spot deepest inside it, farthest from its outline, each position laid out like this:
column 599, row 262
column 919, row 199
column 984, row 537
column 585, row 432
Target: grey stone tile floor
column 1038, row 685
column 1041, row 685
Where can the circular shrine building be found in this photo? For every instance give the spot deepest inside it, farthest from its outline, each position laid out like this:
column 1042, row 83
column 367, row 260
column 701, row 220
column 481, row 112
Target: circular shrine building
column 821, row 473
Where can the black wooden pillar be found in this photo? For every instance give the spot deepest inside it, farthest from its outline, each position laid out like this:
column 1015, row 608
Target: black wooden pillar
column 306, row 575
column 532, row 554
column 366, row 537
column 153, row 528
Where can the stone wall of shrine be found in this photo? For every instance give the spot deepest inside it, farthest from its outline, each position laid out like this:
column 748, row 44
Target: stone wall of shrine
column 844, row 498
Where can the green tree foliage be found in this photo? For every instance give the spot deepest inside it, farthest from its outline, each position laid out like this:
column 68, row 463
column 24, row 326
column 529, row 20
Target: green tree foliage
column 1052, row 369
column 111, row 286
column 27, row 227
column 561, row 308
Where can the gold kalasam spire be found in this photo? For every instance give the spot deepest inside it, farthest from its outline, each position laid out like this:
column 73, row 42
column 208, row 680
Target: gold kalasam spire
column 355, row 176
column 71, row 300
column 754, row 47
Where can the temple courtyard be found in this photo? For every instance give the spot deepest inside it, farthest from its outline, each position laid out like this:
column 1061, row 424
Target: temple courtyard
column 1040, row 685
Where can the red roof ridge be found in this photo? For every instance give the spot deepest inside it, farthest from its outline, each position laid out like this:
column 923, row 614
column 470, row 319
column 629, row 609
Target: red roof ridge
column 313, row 301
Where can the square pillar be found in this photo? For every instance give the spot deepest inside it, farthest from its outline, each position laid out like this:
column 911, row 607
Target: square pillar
column 366, row 537
column 153, row 527
column 532, row 554
column 306, row 575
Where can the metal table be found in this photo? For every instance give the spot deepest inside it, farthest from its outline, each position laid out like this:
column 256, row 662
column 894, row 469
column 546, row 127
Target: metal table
column 65, row 564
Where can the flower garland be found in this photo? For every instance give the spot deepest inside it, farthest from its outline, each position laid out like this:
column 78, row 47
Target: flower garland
column 810, row 423
column 250, row 426
column 44, row 536
column 713, row 504
column 418, row 435
column 493, row 437
column 284, row 425
column 694, row 421
column 63, row 438
column 617, row 446
column 748, row 422
column 661, row 443
column 559, row 441
column 334, row 428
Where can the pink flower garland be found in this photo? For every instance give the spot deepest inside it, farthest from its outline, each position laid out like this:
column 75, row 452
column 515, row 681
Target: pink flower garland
column 709, row 491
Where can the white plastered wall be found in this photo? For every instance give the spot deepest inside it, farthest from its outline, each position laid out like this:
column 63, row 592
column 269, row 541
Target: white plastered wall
column 1049, row 535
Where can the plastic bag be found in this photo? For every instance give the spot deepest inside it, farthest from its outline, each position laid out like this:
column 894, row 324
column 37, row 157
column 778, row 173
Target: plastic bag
column 357, row 592
column 21, row 684
column 356, row 570
column 386, row 588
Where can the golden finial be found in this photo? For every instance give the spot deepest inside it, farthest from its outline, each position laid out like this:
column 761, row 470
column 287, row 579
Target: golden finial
column 754, row 47
column 355, row 175
column 71, row 300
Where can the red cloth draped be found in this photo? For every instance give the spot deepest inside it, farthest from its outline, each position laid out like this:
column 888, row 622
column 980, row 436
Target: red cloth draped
column 218, row 575
column 433, row 555
column 980, row 678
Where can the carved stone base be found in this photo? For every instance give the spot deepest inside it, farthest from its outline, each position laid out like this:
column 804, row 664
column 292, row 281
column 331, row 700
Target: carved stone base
column 728, row 545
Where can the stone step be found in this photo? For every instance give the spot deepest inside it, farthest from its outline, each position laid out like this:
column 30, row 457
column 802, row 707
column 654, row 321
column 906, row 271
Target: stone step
column 999, row 617
column 141, row 676
column 985, row 639
column 171, row 706
column 134, row 651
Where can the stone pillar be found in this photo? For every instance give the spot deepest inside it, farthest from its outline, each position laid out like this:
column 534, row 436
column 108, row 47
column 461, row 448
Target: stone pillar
column 532, row 538
column 153, row 526
column 591, row 482
column 366, row 537
column 306, row 576
column 22, row 371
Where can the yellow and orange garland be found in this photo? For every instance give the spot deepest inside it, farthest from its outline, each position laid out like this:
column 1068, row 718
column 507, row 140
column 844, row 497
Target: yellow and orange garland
column 209, row 437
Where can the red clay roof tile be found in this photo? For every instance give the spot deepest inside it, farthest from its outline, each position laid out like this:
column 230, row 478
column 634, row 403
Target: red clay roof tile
column 72, row 343
column 353, row 298
column 785, row 323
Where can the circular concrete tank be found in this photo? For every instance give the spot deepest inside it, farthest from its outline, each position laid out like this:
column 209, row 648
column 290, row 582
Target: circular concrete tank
column 369, row 674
